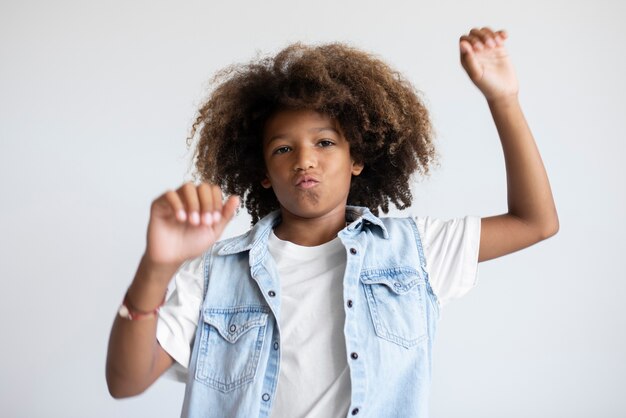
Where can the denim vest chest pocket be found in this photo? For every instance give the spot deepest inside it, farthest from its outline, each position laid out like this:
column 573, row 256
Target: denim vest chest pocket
column 396, row 298
column 230, row 346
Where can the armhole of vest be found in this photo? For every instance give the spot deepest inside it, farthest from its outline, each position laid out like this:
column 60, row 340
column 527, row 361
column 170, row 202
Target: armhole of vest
column 420, row 250
column 208, row 261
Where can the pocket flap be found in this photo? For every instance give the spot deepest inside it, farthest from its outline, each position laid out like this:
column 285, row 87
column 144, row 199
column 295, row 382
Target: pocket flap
column 235, row 322
column 400, row 280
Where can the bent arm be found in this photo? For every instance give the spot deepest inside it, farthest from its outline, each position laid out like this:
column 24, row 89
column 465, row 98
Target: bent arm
column 183, row 224
column 532, row 214
column 135, row 359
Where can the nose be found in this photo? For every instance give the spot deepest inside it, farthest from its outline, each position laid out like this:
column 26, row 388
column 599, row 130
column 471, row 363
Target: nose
column 305, row 159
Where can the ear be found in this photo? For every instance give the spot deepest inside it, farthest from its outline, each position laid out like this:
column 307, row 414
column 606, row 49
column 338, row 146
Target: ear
column 266, row 183
column 357, row 168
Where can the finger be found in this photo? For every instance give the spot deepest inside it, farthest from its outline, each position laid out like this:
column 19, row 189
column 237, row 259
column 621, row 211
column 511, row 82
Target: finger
column 465, row 46
column 485, row 35
column 190, row 200
column 478, row 36
column 205, row 196
column 487, row 31
column 172, row 199
column 217, row 203
column 501, row 36
column 489, row 38
column 468, row 60
column 474, row 41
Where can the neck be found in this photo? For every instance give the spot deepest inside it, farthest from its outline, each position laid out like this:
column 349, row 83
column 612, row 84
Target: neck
column 310, row 232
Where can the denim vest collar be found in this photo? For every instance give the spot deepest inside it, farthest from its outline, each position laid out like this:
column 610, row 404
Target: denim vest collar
column 259, row 233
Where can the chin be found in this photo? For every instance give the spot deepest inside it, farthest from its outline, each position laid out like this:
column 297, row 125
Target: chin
column 310, row 212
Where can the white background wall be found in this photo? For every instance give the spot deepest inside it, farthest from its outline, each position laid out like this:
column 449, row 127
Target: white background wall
column 96, row 99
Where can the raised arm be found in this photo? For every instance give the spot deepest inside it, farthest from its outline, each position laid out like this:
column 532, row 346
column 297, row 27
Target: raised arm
column 183, row 224
column 531, row 215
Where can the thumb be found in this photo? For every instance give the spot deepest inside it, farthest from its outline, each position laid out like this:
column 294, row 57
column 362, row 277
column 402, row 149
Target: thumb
column 228, row 211
column 229, row 208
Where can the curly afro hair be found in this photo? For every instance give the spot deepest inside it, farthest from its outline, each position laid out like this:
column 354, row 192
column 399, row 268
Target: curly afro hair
column 379, row 111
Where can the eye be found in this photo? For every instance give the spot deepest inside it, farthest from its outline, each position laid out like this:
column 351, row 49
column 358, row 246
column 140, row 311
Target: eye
column 325, row 143
column 281, row 150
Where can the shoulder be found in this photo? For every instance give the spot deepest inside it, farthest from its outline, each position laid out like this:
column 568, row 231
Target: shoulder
column 431, row 228
column 451, row 251
column 447, row 229
column 448, row 239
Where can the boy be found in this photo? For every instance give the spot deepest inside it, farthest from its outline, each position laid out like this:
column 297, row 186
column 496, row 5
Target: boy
column 322, row 308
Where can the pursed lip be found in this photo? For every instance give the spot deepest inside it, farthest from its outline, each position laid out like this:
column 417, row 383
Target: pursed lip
column 306, row 181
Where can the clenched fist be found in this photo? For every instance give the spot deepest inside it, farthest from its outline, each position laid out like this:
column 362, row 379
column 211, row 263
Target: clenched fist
column 487, row 63
column 185, row 222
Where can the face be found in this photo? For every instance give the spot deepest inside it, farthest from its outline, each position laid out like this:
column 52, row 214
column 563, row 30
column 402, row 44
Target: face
column 308, row 163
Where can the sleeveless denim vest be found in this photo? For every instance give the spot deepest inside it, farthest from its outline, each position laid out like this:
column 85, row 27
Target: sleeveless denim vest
column 391, row 315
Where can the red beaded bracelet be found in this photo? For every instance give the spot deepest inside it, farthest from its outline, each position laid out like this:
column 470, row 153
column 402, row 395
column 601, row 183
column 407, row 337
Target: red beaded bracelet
column 126, row 311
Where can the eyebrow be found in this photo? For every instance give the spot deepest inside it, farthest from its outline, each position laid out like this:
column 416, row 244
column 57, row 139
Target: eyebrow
column 317, row 130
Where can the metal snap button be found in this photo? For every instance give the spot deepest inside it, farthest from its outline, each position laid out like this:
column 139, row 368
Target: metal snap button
column 355, row 411
column 233, row 328
column 266, row 397
column 271, row 293
column 349, row 303
column 353, row 250
column 354, row 356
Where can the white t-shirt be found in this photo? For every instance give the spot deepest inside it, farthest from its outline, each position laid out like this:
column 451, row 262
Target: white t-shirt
column 312, row 317
column 451, row 251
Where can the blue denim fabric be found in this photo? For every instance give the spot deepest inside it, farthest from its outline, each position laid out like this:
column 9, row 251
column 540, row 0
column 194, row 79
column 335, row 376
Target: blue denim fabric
column 391, row 316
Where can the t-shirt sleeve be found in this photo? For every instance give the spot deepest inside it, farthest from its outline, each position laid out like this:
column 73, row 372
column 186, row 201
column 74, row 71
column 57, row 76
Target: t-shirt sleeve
column 451, row 251
column 178, row 318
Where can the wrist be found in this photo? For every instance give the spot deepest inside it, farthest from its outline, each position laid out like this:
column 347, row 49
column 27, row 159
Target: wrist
column 130, row 312
column 148, row 289
column 157, row 268
column 504, row 100
column 144, row 299
column 155, row 274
